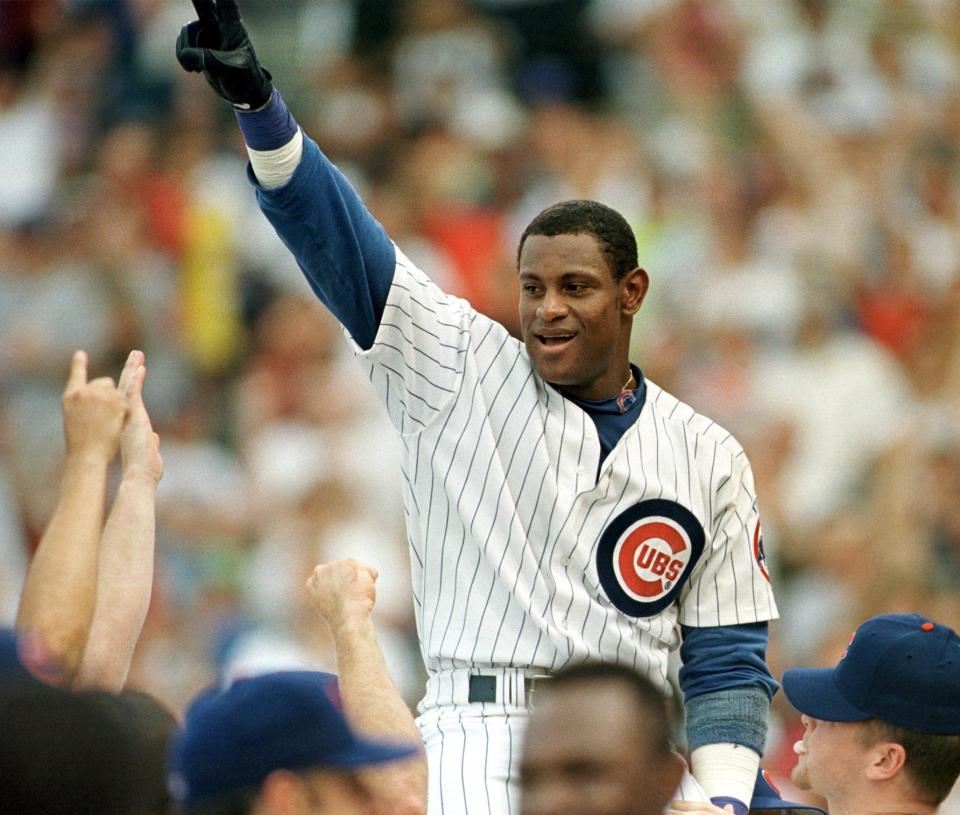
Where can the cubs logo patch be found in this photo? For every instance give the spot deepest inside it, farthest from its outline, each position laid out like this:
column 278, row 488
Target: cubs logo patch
column 758, row 553
column 646, row 555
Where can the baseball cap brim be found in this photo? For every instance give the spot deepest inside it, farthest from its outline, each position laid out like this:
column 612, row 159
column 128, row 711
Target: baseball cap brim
column 814, row 691
column 366, row 751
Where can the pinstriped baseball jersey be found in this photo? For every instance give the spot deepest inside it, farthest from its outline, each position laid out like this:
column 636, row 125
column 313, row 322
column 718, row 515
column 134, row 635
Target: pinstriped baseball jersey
column 526, row 549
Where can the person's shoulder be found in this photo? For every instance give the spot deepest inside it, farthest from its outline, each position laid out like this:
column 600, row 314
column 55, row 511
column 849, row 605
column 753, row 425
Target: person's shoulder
column 412, row 286
column 673, row 411
column 418, row 285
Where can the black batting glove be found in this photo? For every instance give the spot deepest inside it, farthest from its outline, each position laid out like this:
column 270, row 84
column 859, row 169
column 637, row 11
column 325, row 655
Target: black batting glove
column 218, row 46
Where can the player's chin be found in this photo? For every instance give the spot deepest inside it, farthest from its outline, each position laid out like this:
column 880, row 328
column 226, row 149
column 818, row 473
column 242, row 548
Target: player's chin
column 555, row 372
column 556, row 368
column 799, row 774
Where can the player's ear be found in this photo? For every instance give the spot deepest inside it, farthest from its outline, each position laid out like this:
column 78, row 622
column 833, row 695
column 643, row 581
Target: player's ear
column 633, row 288
column 886, row 759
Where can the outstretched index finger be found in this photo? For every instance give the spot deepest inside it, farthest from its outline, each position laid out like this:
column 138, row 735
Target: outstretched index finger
column 134, row 393
column 78, row 371
column 228, row 11
column 206, row 11
column 134, row 360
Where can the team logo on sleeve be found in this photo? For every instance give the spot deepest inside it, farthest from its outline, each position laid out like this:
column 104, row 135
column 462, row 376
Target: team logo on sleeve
column 646, row 555
column 758, row 553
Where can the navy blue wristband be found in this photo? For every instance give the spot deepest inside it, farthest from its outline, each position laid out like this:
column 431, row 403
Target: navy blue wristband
column 739, row 808
column 269, row 128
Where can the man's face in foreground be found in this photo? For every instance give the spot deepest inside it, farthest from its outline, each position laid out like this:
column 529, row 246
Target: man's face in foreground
column 585, row 753
column 314, row 792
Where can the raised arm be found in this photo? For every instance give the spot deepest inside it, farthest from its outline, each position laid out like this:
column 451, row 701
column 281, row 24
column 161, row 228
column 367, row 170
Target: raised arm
column 344, row 253
column 58, row 595
column 125, row 570
column 344, row 593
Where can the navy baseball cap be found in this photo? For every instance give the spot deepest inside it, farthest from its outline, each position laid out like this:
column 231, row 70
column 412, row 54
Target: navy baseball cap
column 901, row 668
column 767, row 797
column 233, row 739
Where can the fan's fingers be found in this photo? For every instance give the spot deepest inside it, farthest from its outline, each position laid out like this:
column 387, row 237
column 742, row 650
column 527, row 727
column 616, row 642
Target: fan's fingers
column 78, row 371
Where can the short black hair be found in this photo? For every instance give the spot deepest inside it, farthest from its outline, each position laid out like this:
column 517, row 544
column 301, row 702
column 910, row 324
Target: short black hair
column 69, row 753
column 652, row 702
column 579, row 217
column 153, row 726
column 932, row 760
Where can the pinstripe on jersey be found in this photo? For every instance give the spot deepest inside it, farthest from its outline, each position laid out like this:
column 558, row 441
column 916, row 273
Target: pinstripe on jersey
column 504, row 507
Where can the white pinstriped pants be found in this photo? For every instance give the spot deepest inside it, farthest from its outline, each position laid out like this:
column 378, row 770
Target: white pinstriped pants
column 473, row 749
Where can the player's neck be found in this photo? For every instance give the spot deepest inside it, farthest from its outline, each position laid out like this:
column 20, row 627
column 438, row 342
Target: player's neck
column 601, row 391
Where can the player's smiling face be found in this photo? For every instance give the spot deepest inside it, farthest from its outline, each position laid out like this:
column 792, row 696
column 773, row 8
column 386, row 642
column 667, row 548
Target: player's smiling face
column 575, row 317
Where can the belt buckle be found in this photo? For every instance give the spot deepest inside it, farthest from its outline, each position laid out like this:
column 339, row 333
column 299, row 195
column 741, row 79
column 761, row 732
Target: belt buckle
column 530, row 684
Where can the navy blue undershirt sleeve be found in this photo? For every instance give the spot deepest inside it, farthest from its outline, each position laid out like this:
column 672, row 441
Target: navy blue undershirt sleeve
column 345, row 254
column 725, row 657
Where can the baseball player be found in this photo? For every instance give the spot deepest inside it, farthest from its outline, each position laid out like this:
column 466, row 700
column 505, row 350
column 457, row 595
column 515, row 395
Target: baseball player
column 559, row 506
column 882, row 727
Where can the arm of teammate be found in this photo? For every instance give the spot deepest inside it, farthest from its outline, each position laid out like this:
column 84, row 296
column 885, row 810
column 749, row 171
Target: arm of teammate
column 125, row 569
column 344, row 593
column 723, row 614
column 58, row 595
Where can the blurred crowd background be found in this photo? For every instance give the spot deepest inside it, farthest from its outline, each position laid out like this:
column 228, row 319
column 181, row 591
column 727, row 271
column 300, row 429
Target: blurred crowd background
column 791, row 169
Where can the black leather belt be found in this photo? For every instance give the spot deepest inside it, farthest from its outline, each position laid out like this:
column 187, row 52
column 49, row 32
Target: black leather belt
column 483, row 688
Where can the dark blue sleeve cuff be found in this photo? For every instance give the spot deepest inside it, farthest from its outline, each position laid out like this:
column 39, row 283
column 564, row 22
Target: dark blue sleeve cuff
column 269, row 128
column 734, row 716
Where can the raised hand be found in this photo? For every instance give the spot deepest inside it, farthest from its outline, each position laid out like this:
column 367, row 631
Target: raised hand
column 93, row 413
column 217, row 45
column 342, row 591
column 139, row 445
